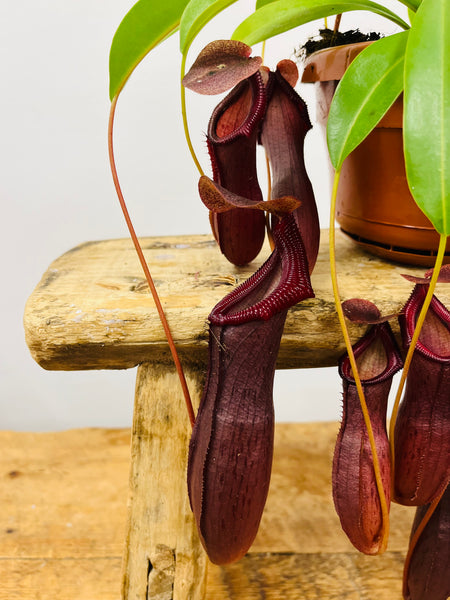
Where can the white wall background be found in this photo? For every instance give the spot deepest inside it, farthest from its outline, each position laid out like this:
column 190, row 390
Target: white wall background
column 56, row 189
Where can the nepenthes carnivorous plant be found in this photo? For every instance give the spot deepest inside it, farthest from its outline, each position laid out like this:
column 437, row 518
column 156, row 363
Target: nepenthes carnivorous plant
column 230, row 453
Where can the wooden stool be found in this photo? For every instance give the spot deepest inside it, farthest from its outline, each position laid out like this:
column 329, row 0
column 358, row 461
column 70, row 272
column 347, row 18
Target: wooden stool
column 92, row 310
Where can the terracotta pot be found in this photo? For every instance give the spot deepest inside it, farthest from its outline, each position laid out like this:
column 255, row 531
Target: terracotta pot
column 374, row 204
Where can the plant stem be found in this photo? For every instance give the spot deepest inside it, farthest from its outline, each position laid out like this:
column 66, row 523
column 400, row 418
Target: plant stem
column 337, row 22
column 412, row 346
column 184, row 115
column 144, row 266
column 340, row 313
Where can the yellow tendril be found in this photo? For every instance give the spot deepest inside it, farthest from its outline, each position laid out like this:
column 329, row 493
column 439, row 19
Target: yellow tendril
column 184, row 115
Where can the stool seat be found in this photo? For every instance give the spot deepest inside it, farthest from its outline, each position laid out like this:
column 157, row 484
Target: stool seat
column 92, row 308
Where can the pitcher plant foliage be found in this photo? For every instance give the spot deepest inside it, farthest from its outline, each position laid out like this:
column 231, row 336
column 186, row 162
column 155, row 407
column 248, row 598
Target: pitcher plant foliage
column 426, row 575
column 264, row 107
column 422, row 428
column 283, row 133
column 232, row 139
column 230, row 453
column 355, row 491
column 231, row 449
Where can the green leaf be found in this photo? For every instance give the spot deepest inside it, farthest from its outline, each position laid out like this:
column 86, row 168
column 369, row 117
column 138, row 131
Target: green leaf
column 260, row 3
column 147, row 24
column 197, row 14
column 427, row 112
column 283, row 15
column 412, row 5
column 369, row 87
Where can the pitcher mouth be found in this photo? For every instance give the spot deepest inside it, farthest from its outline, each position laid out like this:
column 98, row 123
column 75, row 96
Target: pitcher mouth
column 434, row 339
column 380, row 332
column 255, row 110
column 282, row 281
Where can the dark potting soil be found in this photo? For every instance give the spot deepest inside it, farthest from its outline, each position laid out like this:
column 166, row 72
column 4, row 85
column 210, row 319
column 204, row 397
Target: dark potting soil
column 328, row 38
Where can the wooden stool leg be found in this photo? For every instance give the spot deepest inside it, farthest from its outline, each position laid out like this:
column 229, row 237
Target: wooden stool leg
column 163, row 557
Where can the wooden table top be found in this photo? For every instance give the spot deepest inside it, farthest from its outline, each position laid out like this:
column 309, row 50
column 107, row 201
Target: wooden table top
column 63, row 510
column 92, row 308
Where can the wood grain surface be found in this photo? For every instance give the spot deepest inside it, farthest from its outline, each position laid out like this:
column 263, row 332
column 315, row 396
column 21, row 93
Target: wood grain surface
column 163, row 555
column 92, row 309
column 63, row 518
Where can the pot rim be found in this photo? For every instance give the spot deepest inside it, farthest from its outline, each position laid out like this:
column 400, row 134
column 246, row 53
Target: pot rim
column 330, row 64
